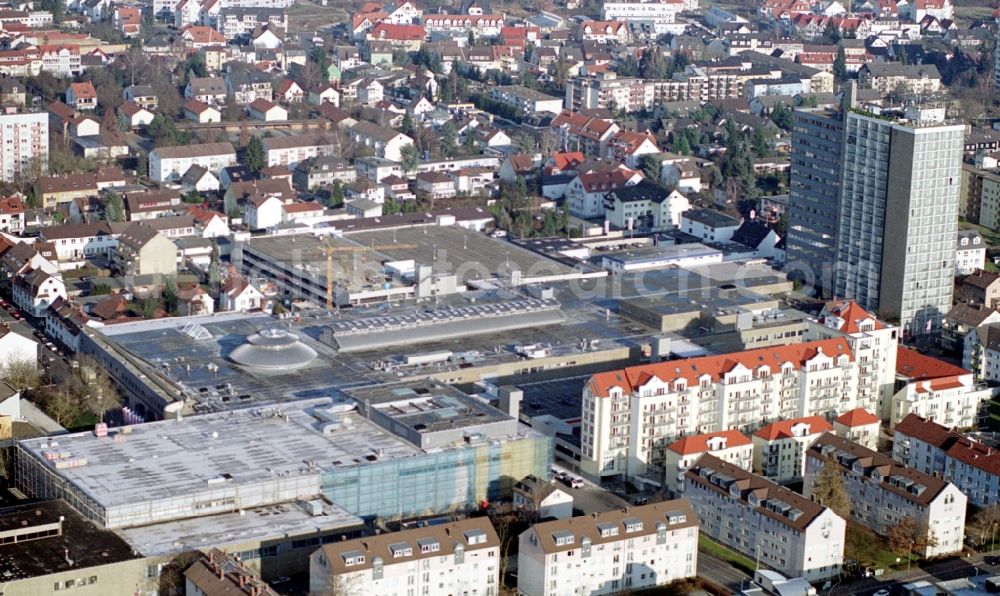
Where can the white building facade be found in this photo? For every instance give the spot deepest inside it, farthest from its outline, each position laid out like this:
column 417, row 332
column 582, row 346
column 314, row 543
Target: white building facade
column 765, row 521
column 609, row 553
column 884, row 492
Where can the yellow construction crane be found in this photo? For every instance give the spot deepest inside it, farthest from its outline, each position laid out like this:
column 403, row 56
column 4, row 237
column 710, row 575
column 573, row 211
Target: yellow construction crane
column 330, row 249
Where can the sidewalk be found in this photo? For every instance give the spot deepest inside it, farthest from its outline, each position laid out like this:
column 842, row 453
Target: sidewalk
column 941, row 570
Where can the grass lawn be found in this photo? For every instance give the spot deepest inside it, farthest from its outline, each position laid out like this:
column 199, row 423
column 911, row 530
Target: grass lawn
column 308, row 16
column 869, row 549
column 707, row 545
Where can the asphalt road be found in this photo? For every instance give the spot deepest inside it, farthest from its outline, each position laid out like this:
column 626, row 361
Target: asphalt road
column 721, row 573
column 939, row 571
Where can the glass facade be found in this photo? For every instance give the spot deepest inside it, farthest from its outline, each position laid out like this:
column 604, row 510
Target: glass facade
column 437, row 482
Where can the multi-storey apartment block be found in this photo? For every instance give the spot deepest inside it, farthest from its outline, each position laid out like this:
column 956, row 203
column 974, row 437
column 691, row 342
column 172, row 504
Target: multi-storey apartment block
column 934, row 449
column 883, row 492
column 765, row 521
column 937, row 390
column 728, row 445
column 461, row 557
column 860, row 426
column 610, row 552
column 779, row 449
column 24, row 144
column 873, row 342
column 630, row 416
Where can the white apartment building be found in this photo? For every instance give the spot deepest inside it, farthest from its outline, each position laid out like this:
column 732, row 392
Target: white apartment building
column 883, row 492
column 859, row 426
column 289, row 151
column 385, row 142
column 34, row 291
column 461, row 557
column 935, row 449
column 765, row 521
column 75, row 243
column 728, row 445
column 24, row 144
column 609, row 553
column 61, row 61
column 168, row 164
column 631, row 415
column 525, row 99
column 970, row 252
column 937, row 390
column 660, row 14
column 779, row 449
column 874, row 345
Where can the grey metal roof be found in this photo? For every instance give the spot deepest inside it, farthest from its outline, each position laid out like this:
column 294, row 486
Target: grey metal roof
column 273, row 349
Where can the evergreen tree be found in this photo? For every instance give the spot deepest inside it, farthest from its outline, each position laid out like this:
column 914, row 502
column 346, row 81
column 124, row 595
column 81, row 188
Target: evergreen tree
column 782, row 116
column 410, row 157
column 253, row 155
column 654, row 64
column 449, row 138
column 840, row 64
column 114, row 207
column 629, row 67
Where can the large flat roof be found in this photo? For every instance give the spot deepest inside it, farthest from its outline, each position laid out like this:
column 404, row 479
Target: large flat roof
column 271, row 522
column 455, row 250
column 83, row 543
column 167, row 459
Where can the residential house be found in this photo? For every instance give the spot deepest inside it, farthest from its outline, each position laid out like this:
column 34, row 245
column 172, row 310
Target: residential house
column 81, row 96
column 435, row 185
column 859, row 426
column 201, row 112
column 637, row 548
column 11, row 215
column 644, row 205
column 453, row 558
column 779, row 449
column 247, row 86
column 935, row 389
column 266, row 111
column 887, row 77
column 979, row 287
column 585, row 194
column 385, row 142
column 288, row 151
column 141, row 250
column 540, row 499
column 238, row 294
column 935, row 449
column 728, row 445
column 970, row 253
column 209, row 90
column 884, row 492
column 170, row 163
column 765, row 521
column 133, row 116
column 35, row 290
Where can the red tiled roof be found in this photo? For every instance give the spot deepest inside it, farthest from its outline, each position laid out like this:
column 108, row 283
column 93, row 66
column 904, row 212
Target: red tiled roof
column 568, row 159
column 858, row 417
column 851, row 313
column 699, row 443
column 783, row 429
column 691, row 369
column 398, row 32
column 84, row 90
column 918, row 367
